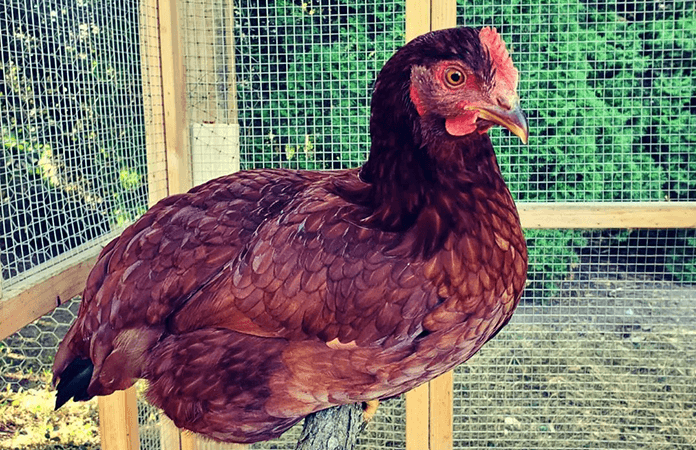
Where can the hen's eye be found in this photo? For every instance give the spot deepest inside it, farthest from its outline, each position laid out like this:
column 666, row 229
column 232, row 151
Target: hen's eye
column 454, row 77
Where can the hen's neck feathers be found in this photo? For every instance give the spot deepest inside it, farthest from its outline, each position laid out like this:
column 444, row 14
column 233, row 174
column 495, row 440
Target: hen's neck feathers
column 412, row 162
column 416, row 173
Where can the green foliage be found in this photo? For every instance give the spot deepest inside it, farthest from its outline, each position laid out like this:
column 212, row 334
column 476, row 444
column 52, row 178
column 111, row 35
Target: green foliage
column 311, row 80
column 73, row 133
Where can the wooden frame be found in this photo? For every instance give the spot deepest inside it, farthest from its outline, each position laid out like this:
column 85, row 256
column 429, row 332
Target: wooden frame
column 429, row 407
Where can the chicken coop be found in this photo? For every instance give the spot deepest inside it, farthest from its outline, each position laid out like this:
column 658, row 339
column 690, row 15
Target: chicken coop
column 109, row 106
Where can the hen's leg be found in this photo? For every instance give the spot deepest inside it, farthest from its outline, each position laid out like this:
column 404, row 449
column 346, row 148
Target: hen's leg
column 369, row 410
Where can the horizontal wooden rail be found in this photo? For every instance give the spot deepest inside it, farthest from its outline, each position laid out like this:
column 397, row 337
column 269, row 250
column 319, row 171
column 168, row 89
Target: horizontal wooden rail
column 608, row 215
column 42, row 298
column 41, row 294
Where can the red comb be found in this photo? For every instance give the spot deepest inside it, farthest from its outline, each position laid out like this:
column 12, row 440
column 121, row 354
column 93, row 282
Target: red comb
column 506, row 72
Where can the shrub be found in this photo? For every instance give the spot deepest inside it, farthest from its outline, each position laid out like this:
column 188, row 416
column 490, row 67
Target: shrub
column 73, row 131
column 305, row 72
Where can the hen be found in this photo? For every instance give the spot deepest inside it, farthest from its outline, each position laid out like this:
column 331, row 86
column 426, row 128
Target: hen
column 258, row 298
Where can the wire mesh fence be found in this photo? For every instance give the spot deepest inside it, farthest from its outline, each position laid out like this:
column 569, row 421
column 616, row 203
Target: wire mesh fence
column 600, row 352
column 305, row 73
column 73, row 130
column 606, row 360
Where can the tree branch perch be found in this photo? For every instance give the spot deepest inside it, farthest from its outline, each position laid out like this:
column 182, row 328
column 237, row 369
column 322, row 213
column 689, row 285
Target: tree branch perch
column 335, row 428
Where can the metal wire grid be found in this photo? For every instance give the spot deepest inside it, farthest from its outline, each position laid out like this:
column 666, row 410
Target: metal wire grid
column 208, row 48
column 304, row 77
column 151, row 99
column 609, row 90
column 72, row 130
column 605, row 359
column 149, row 426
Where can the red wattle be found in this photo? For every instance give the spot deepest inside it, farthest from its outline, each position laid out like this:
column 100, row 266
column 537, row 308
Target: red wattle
column 461, row 125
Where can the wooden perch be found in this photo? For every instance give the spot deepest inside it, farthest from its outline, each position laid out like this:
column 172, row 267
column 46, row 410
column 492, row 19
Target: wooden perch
column 335, row 428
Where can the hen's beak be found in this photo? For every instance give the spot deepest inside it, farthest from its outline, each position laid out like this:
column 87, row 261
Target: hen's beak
column 513, row 119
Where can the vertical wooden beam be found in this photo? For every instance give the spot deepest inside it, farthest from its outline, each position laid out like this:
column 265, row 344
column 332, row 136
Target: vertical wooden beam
column 418, row 418
column 118, row 421
column 429, row 418
column 429, row 415
column 441, row 412
column 418, row 399
column 443, row 14
column 153, row 101
column 417, row 18
column 174, row 92
column 188, row 440
column 232, row 112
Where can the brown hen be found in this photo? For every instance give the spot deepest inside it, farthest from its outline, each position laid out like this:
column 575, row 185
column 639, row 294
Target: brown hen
column 261, row 297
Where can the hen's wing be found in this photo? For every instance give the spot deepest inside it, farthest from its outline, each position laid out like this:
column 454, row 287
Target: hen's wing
column 151, row 270
column 267, row 254
column 258, row 298
column 312, row 272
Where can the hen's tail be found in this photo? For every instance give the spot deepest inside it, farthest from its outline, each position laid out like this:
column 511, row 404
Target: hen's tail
column 74, row 381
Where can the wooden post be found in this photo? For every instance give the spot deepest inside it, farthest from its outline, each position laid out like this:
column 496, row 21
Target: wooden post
column 153, row 101
column 417, row 400
column 429, row 417
column 119, row 428
column 418, row 418
column 443, row 14
column 441, row 412
column 174, row 94
column 417, row 18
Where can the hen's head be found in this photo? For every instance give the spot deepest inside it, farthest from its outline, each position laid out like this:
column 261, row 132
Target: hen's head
column 449, row 84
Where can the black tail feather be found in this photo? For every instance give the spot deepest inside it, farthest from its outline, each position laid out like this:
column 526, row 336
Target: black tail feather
column 74, row 382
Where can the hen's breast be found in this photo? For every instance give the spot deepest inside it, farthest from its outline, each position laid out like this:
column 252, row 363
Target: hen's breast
column 444, row 307
column 478, row 277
